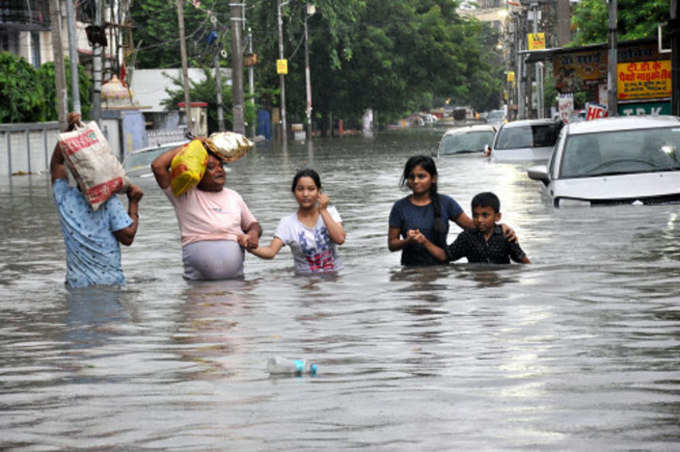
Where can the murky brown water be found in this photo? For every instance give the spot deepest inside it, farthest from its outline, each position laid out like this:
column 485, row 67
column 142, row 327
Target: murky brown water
column 578, row 351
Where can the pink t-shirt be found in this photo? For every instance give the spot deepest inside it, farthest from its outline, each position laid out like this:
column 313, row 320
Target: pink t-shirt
column 204, row 215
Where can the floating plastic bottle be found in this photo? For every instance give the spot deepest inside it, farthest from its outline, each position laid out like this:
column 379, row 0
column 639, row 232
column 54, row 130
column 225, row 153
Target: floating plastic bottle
column 279, row 366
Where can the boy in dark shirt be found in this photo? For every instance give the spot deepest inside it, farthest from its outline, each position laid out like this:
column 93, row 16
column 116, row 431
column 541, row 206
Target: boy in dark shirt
column 485, row 243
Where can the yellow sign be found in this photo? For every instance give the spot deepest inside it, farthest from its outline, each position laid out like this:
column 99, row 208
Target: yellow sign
column 511, row 76
column 282, row 67
column 644, row 79
column 536, row 41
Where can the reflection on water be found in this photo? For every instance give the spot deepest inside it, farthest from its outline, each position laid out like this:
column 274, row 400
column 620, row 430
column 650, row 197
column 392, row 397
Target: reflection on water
column 576, row 351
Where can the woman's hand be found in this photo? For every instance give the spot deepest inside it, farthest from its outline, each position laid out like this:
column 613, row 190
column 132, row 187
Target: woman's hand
column 323, row 201
column 509, row 233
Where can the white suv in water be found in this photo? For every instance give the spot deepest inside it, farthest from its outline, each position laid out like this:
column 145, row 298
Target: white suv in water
column 526, row 140
column 632, row 159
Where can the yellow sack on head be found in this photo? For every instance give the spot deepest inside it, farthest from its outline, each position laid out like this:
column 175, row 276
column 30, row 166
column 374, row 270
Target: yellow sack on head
column 188, row 167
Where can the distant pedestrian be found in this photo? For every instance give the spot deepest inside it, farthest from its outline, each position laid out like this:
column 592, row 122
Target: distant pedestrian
column 419, row 223
column 312, row 232
column 485, row 242
column 92, row 237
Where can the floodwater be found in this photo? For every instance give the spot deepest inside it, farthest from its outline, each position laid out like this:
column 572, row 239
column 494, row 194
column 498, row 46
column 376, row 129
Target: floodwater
column 578, row 351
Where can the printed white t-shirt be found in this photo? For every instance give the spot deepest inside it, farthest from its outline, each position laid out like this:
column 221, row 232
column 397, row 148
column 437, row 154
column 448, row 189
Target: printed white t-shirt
column 204, row 215
column 313, row 250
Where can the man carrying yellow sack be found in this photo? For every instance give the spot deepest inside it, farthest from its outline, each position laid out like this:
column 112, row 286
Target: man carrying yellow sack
column 215, row 223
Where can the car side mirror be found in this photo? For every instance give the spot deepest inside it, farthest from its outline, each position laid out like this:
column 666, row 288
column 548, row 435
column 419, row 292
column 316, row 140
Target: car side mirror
column 539, row 173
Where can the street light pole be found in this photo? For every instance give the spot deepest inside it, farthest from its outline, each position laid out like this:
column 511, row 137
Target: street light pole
column 282, row 77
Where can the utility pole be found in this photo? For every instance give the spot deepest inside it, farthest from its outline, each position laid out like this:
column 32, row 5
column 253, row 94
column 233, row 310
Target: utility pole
column 185, row 69
column 675, row 57
column 97, row 66
column 59, row 72
column 308, row 84
column 73, row 55
column 282, row 77
column 218, row 87
column 521, row 70
column 251, row 80
column 236, row 68
column 539, row 73
column 612, row 88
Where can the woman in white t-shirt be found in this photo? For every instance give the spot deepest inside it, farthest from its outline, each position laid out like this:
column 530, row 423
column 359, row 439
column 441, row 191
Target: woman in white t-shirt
column 312, row 232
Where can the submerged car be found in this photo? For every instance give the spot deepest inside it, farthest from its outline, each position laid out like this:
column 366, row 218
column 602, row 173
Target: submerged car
column 525, row 140
column 138, row 163
column 495, row 118
column 465, row 140
column 633, row 159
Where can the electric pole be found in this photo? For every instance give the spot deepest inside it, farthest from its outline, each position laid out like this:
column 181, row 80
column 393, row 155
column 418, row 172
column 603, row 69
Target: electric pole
column 59, row 72
column 675, row 58
column 251, row 80
column 236, row 68
column 612, row 88
column 539, row 72
column 97, row 66
column 282, row 77
column 308, row 84
column 185, row 69
column 218, row 87
column 73, row 55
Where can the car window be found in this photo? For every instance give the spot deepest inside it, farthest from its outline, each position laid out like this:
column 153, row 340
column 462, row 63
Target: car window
column 528, row 136
column 472, row 141
column 630, row 151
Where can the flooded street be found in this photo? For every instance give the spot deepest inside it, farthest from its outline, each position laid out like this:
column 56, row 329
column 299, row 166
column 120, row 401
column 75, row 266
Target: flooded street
column 580, row 350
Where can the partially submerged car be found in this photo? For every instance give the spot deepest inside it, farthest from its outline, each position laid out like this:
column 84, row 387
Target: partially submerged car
column 632, row 159
column 525, row 140
column 465, row 140
column 138, row 163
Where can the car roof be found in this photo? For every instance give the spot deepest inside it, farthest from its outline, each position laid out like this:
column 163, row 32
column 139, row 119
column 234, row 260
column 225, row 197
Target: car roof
column 622, row 123
column 530, row 122
column 477, row 128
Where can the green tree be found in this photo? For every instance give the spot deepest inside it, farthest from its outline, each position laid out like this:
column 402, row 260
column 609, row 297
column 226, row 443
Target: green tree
column 45, row 75
column 22, row 98
column 156, row 31
column 206, row 91
column 635, row 19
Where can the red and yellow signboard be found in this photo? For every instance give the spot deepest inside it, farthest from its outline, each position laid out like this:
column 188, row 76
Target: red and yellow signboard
column 536, row 41
column 644, row 79
column 510, row 76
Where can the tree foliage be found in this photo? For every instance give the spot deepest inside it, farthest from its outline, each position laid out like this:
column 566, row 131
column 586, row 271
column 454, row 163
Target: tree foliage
column 29, row 95
column 635, row 20
column 393, row 56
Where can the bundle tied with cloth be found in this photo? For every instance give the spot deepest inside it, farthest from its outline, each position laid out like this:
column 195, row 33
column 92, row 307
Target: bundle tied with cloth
column 89, row 157
column 188, row 166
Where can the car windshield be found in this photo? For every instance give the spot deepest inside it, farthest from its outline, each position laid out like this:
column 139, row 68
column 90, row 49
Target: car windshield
column 471, row 141
column 536, row 136
column 622, row 152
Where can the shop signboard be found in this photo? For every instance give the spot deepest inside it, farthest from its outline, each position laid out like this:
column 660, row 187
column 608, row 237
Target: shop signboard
column 644, row 80
column 565, row 103
column 644, row 108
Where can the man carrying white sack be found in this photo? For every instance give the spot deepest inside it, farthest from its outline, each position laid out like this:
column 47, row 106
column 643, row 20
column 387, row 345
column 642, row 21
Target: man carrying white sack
column 92, row 237
column 215, row 223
